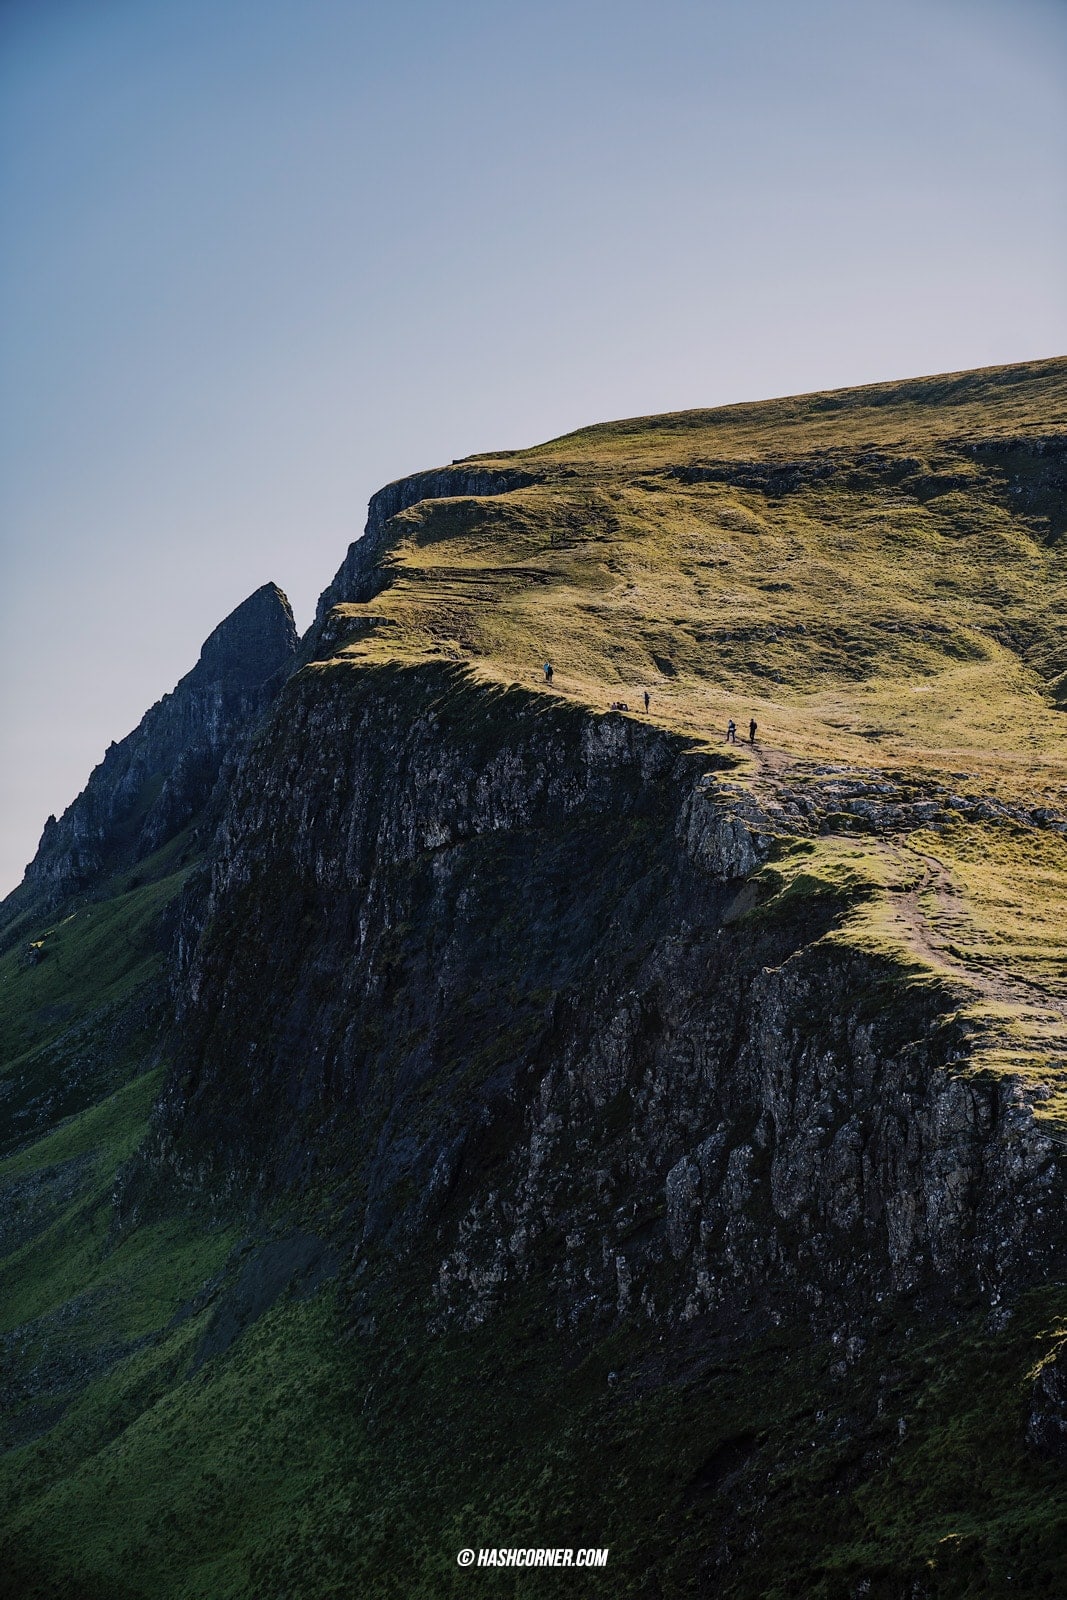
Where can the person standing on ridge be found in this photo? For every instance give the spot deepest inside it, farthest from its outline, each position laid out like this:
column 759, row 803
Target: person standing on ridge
column 548, row 672
column 731, row 732
column 648, row 697
column 752, row 731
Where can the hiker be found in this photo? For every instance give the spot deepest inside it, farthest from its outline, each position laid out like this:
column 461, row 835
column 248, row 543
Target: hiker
column 752, row 731
column 731, row 732
column 548, row 672
column 648, row 698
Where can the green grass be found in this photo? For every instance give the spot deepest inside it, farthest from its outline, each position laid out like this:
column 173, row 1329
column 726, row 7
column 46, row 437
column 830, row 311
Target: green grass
column 76, row 1277
column 896, row 605
column 93, row 957
column 80, row 1021
column 997, row 401
column 899, row 604
column 108, row 1131
column 1012, row 884
column 893, row 602
column 313, row 1463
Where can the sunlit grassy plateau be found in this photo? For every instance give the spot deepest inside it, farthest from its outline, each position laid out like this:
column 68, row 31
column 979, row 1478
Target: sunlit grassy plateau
column 879, row 578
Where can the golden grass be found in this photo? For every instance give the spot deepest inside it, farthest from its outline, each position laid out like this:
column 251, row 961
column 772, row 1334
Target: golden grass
column 918, row 411
column 802, row 612
column 1012, row 884
column 896, row 605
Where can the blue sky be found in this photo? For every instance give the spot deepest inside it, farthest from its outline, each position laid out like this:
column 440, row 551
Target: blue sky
column 260, row 258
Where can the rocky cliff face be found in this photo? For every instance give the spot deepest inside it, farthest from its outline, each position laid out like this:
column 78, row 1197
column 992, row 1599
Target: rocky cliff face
column 557, row 1130
column 361, row 575
column 507, row 977
column 152, row 783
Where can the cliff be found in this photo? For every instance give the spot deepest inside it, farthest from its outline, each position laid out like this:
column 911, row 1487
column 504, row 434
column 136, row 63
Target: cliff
column 152, row 783
column 89, row 929
column 537, row 987
column 518, row 1118
column 362, row 574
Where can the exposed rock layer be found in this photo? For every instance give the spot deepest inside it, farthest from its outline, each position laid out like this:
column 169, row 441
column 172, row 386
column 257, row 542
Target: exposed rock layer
column 152, row 783
column 503, row 972
column 361, row 575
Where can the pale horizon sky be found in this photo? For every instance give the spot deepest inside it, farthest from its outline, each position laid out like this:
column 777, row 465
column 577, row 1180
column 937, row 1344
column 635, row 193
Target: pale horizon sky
column 263, row 256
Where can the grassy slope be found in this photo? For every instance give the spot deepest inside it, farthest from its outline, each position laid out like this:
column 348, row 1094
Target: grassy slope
column 78, row 996
column 85, row 1328
column 897, row 606
column 906, row 590
column 306, row 1464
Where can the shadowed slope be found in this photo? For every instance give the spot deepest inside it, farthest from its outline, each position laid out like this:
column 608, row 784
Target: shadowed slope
column 573, row 1132
column 877, row 577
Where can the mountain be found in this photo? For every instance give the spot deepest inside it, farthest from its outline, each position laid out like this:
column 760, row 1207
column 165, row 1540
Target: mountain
column 150, row 784
column 104, row 872
column 478, row 1111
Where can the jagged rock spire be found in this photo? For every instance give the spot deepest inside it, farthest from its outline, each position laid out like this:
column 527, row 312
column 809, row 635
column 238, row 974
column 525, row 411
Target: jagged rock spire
column 152, row 783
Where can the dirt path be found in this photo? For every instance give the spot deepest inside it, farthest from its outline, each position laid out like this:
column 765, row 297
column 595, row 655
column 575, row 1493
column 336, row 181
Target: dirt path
column 935, row 938
column 931, row 919
column 771, row 763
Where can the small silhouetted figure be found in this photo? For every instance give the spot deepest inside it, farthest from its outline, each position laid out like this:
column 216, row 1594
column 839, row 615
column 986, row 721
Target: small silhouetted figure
column 752, row 731
column 548, row 672
column 648, row 698
column 731, row 732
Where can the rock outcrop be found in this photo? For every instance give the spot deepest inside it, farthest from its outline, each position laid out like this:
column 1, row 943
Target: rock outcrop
column 489, row 1118
column 152, row 783
column 1046, row 1428
column 361, row 575
column 509, row 976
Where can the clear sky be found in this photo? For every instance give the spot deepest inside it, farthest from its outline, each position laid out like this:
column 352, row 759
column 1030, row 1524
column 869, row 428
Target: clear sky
column 262, row 256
